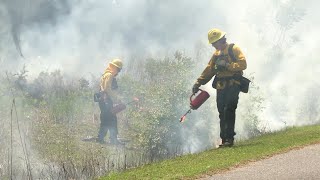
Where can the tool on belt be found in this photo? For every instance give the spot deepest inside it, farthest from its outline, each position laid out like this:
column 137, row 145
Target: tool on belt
column 196, row 102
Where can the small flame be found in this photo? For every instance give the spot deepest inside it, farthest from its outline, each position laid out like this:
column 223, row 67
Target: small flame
column 136, row 99
column 182, row 118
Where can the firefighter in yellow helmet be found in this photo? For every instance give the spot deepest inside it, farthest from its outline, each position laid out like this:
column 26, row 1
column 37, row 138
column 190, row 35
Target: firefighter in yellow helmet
column 108, row 85
column 226, row 64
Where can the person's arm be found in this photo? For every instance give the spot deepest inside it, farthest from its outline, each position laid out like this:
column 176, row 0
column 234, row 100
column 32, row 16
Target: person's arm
column 240, row 63
column 106, row 86
column 207, row 73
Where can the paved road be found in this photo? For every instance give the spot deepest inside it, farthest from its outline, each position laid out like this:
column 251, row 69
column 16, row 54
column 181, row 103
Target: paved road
column 296, row 164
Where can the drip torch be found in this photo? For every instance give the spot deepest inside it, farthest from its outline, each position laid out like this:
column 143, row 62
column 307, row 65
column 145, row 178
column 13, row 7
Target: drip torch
column 196, row 102
column 121, row 106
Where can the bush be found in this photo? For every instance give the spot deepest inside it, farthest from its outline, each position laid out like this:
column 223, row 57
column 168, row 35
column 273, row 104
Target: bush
column 163, row 89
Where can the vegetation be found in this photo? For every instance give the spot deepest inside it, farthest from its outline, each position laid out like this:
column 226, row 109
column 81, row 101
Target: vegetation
column 51, row 114
column 44, row 120
column 163, row 89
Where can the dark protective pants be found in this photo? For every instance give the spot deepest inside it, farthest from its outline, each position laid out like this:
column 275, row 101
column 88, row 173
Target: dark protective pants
column 227, row 101
column 108, row 122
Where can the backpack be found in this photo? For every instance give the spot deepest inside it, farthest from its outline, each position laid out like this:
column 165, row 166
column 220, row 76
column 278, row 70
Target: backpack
column 244, row 82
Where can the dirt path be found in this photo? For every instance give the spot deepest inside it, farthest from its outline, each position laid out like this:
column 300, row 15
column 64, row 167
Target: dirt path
column 296, row 164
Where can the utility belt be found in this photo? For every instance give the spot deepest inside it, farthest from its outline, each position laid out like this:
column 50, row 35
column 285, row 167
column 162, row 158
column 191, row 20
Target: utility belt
column 101, row 97
column 223, row 82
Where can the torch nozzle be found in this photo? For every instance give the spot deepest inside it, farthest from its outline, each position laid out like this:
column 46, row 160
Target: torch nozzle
column 135, row 99
column 185, row 115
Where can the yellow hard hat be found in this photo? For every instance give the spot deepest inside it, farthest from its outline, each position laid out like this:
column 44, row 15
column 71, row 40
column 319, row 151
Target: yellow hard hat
column 214, row 35
column 117, row 63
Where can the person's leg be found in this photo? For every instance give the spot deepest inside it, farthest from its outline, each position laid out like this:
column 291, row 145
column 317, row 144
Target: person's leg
column 232, row 96
column 221, row 104
column 102, row 133
column 103, row 122
column 113, row 135
column 114, row 131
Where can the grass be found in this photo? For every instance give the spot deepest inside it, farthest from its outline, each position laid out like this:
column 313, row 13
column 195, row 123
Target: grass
column 216, row 160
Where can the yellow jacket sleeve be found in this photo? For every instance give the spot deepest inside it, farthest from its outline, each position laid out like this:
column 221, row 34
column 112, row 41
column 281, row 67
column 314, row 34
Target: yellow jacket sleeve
column 240, row 63
column 208, row 73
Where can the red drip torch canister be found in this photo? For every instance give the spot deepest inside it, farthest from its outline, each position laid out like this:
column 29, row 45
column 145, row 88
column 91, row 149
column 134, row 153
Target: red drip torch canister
column 118, row 108
column 199, row 99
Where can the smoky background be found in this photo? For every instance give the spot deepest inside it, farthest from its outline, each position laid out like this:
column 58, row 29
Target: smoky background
column 78, row 38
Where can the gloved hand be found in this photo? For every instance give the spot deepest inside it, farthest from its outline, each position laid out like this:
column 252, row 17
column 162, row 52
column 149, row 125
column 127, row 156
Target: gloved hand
column 222, row 63
column 195, row 88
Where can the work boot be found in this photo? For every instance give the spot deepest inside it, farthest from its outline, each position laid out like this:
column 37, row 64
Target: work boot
column 116, row 142
column 100, row 141
column 226, row 143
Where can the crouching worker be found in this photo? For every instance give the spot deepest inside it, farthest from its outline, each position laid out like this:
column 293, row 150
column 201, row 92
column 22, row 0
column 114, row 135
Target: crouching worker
column 226, row 64
column 108, row 96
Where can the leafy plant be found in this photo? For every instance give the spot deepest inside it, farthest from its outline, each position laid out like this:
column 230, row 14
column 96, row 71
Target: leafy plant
column 163, row 88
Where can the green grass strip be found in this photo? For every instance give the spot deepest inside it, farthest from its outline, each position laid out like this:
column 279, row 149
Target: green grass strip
column 216, row 160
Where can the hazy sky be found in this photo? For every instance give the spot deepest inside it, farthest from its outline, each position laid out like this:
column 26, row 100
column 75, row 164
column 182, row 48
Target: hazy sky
column 279, row 38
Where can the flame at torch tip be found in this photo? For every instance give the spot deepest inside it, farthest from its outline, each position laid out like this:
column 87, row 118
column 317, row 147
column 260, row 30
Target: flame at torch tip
column 182, row 118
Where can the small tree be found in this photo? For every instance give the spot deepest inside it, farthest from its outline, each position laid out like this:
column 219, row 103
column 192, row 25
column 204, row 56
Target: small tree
column 163, row 89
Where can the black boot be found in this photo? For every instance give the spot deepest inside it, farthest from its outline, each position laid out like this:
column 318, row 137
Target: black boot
column 116, row 142
column 101, row 141
column 226, row 143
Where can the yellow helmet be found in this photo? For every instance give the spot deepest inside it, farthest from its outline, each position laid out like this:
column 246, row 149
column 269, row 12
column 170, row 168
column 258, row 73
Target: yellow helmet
column 117, row 63
column 214, row 35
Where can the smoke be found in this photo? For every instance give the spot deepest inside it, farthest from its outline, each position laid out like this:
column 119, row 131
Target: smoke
column 92, row 32
column 289, row 69
column 279, row 39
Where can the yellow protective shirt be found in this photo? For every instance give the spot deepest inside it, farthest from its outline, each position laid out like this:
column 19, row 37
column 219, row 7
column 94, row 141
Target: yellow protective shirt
column 106, row 83
column 234, row 67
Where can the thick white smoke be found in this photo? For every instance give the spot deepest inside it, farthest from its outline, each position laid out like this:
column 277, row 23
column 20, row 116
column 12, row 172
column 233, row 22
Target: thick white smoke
column 279, row 39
